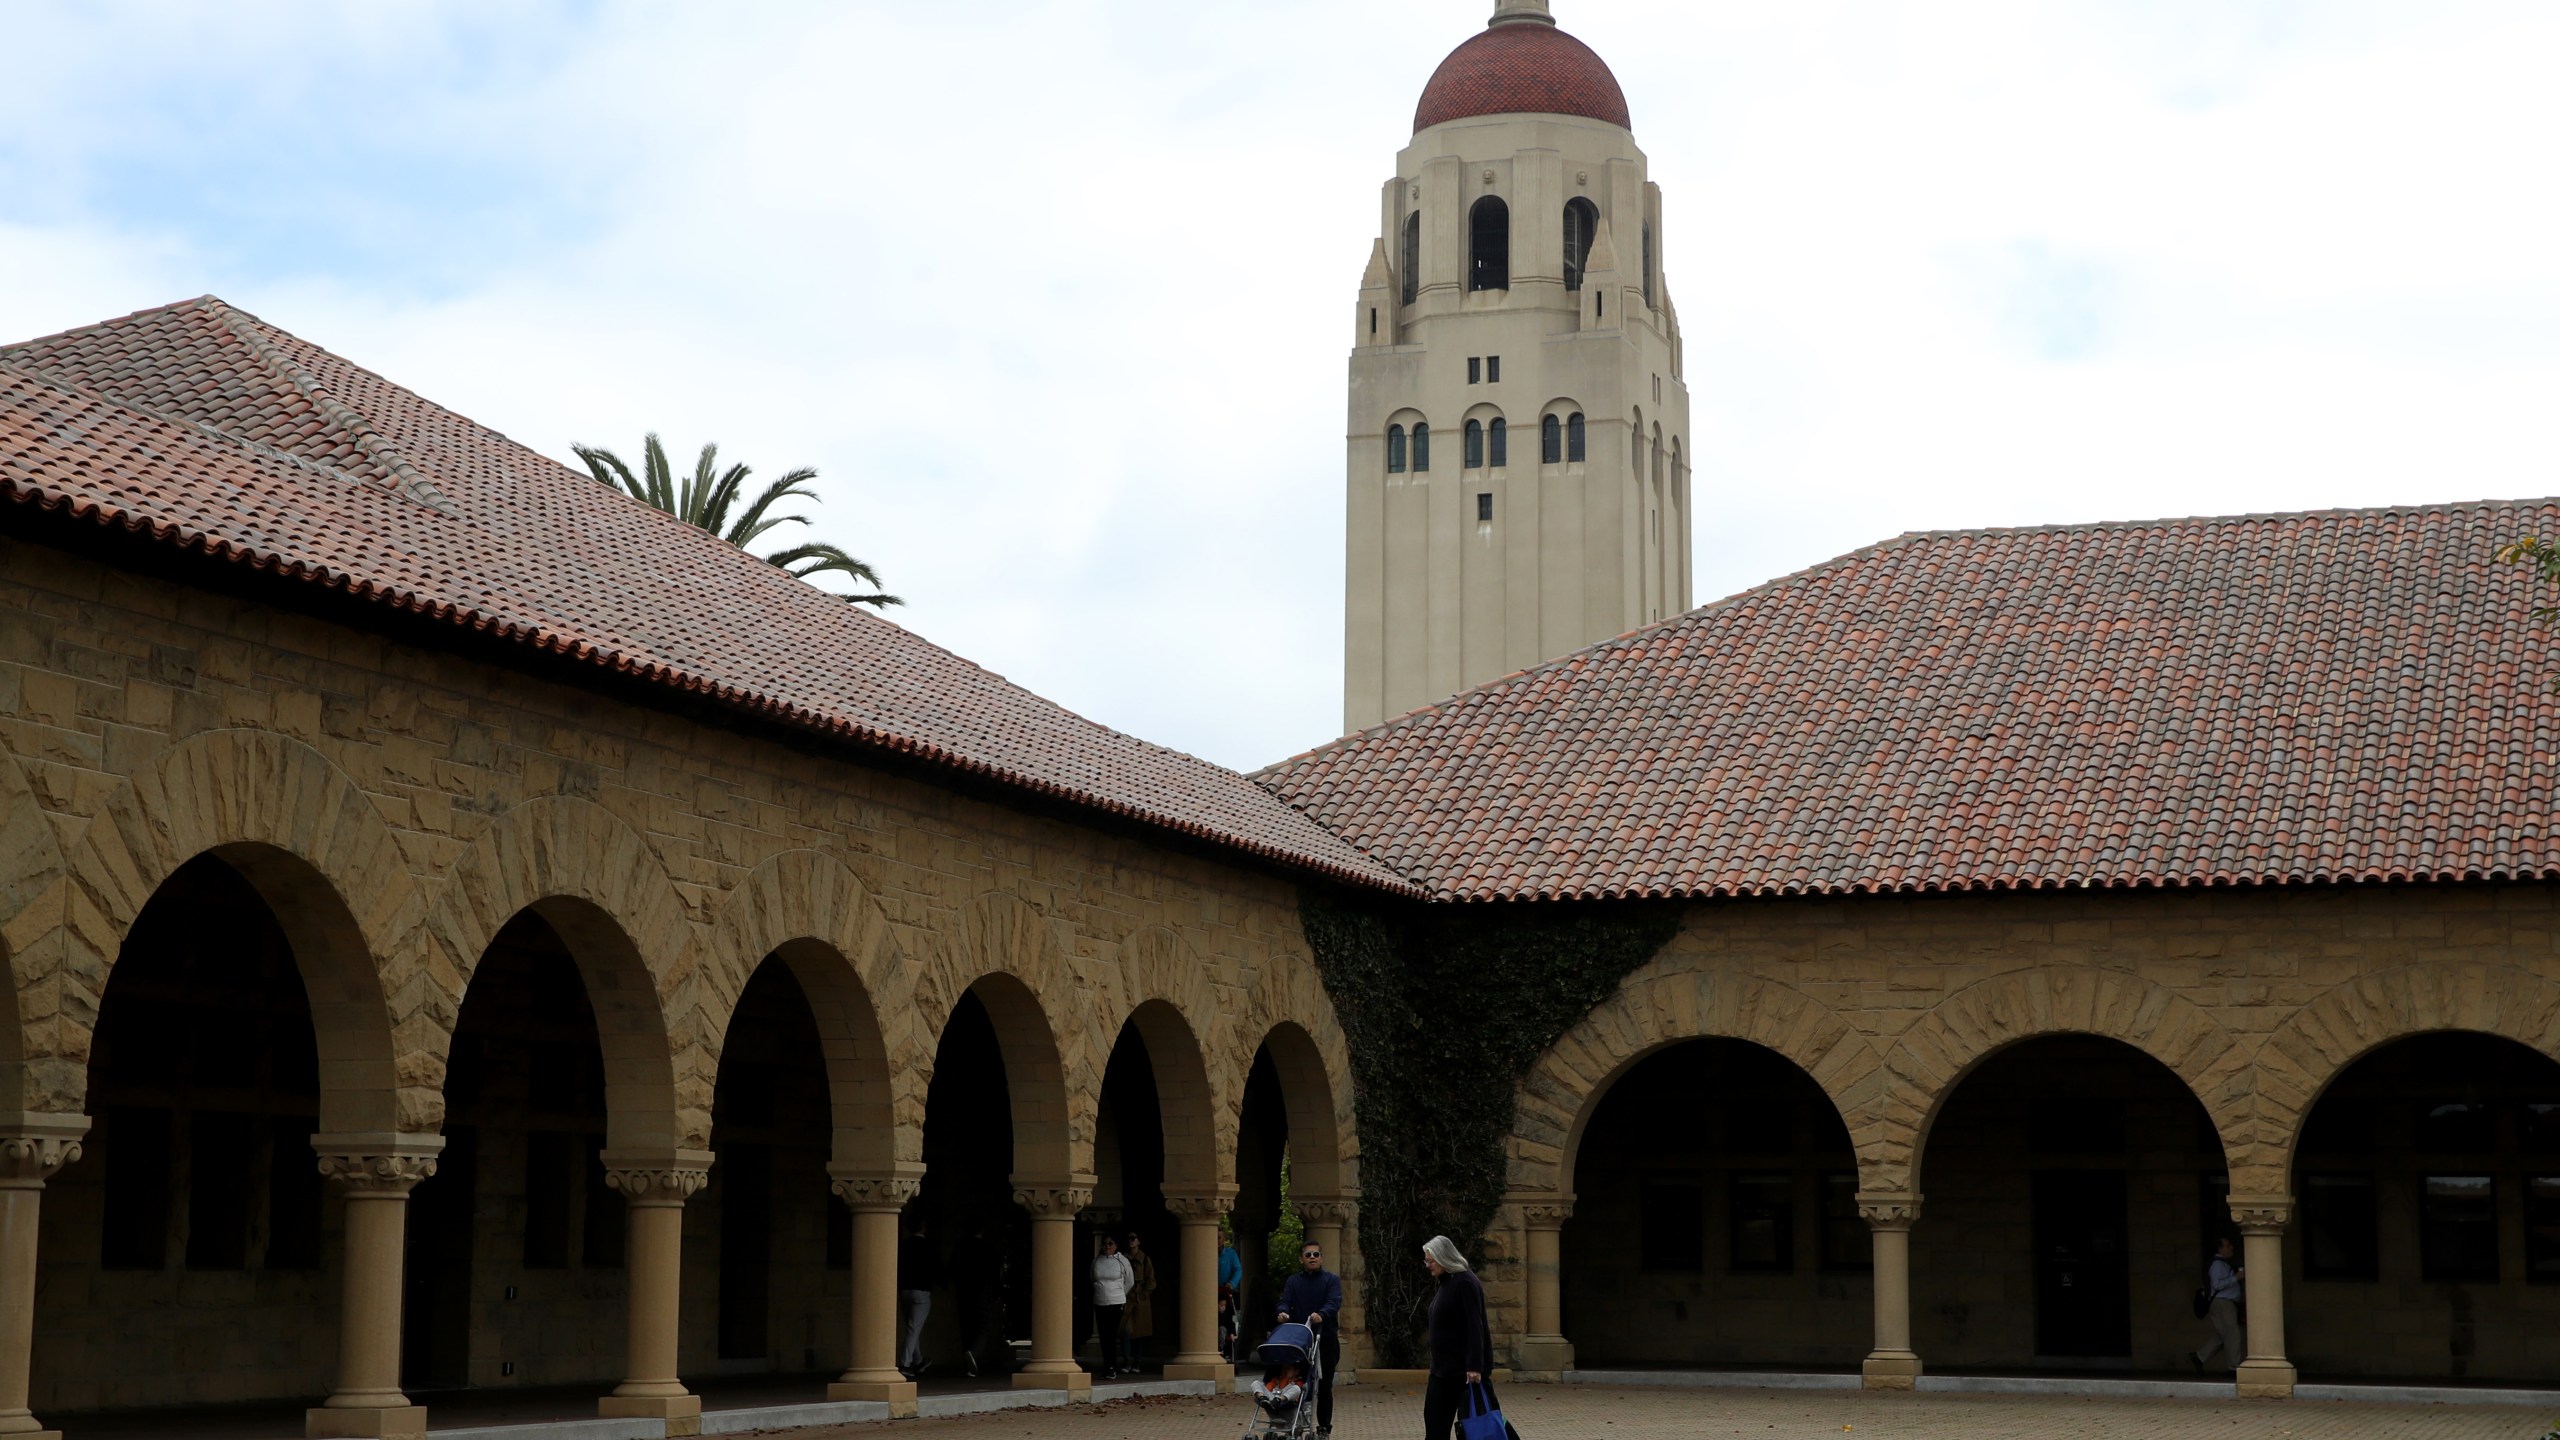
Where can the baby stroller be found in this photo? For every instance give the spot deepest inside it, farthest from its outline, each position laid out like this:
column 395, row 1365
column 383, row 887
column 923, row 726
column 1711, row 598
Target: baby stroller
column 1285, row 1396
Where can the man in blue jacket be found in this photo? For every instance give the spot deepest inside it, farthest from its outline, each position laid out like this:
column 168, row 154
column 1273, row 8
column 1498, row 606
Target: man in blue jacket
column 1313, row 1297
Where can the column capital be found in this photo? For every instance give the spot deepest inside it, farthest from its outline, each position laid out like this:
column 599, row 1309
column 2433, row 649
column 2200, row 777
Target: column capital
column 1343, row 1210
column 32, row 1147
column 1543, row 1210
column 657, row 1177
column 1888, row 1209
column 868, row 1187
column 1201, row 1205
column 1054, row 1198
column 380, row 1163
column 2261, row 1214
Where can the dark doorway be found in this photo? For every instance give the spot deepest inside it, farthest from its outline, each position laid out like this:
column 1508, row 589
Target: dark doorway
column 2084, row 1302
column 435, row 1322
column 746, row 1250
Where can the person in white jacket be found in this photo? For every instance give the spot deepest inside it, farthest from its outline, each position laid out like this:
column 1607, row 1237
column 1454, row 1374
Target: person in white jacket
column 1112, row 1277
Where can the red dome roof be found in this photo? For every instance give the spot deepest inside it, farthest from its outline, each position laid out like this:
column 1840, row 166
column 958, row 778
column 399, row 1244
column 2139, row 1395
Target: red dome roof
column 1521, row 68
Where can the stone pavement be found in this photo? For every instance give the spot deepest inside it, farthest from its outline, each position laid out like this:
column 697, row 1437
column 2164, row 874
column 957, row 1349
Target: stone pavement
column 1580, row 1412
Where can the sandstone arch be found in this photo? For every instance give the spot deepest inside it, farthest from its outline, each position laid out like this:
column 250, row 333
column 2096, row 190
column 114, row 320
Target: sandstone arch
column 2356, row 1017
column 1666, row 1002
column 810, row 911
column 319, row 853
column 31, row 896
column 597, row 883
column 1291, row 1013
column 1933, row 1057
column 1162, row 987
column 1001, row 949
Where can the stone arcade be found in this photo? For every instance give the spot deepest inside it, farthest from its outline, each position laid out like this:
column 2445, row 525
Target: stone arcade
column 632, row 934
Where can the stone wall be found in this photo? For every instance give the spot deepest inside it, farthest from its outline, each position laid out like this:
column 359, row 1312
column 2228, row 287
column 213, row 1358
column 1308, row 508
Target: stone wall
column 395, row 807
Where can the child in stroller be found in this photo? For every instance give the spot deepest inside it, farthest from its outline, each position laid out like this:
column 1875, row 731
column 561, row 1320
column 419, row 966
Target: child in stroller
column 1285, row 1395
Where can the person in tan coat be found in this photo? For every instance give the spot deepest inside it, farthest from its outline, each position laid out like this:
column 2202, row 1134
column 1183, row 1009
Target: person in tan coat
column 1140, row 1326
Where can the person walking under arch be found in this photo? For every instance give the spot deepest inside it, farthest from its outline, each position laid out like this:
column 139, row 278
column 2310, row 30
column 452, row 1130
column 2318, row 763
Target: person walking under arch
column 1112, row 1278
column 2222, row 1308
column 1461, row 1339
column 1313, row 1298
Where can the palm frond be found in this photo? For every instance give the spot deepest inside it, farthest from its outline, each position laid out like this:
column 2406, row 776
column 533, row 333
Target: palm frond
column 819, row 558
column 754, row 524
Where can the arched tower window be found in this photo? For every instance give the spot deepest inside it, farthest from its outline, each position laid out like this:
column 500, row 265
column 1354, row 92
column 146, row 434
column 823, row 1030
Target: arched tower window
column 1421, row 447
column 1573, row 439
column 1581, row 222
column 1475, row 445
column 1489, row 245
column 1648, row 265
column 1395, row 449
column 1498, row 444
column 1657, row 459
column 1412, row 256
column 1551, row 441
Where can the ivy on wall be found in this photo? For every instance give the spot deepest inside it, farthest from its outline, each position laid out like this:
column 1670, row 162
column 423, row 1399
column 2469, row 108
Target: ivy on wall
column 1444, row 1009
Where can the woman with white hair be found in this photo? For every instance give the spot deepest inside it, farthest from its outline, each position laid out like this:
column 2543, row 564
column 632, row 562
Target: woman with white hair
column 1461, row 1339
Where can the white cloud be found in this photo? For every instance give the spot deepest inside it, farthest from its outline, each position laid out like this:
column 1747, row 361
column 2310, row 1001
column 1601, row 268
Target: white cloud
column 1057, row 295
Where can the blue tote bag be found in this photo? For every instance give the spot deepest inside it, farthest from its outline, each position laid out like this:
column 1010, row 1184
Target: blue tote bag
column 1481, row 1419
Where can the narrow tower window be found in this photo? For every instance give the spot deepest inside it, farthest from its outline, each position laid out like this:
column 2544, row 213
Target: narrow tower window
column 1573, row 439
column 1493, row 369
column 1475, row 445
column 1412, row 256
column 1373, row 319
column 1489, row 245
column 1581, row 222
column 1498, row 440
column 1395, row 449
column 1421, row 447
column 1475, row 369
column 1551, row 441
column 1484, row 507
column 1648, row 265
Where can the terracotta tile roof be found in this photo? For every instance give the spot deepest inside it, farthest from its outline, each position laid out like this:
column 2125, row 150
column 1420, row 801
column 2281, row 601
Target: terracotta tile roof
column 201, row 427
column 2257, row 700
column 1521, row 69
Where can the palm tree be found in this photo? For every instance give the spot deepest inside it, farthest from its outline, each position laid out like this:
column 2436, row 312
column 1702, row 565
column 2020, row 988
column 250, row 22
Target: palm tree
column 710, row 493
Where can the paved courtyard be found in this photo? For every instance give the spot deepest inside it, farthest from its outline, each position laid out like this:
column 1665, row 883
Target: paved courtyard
column 1555, row 1412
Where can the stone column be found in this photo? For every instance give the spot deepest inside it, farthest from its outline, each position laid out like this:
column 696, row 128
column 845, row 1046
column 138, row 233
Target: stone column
column 2266, row 1374
column 655, row 1187
column 876, row 1201
column 1543, row 1353
column 375, row 1173
column 1054, row 1275
column 1198, row 1358
column 32, row 1148
column 1889, row 1216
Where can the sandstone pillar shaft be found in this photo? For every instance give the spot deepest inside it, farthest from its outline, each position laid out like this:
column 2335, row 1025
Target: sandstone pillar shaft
column 1544, row 1351
column 1198, row 1358
column 1890, row 1215
column 2266, row 1374
column 32, row 1148
column 375, row 1173
column 1054, row 1274
column 654, row 1188
column 876, row 1200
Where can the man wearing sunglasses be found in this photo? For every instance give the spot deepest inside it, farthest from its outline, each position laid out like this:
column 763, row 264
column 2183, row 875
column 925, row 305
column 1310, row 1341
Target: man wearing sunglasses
column 1313, row 1297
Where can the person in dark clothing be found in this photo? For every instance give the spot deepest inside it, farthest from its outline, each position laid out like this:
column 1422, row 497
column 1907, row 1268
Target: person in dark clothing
column 1461, row 1339
column 1313, row 1298
column 917, row 1267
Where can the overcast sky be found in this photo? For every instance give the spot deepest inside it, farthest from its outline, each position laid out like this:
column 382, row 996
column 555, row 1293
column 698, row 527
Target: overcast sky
column 1058, row 296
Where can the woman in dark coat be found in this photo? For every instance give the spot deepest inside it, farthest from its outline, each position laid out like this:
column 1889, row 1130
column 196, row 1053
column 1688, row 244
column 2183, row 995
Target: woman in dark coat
column 1461, row 1339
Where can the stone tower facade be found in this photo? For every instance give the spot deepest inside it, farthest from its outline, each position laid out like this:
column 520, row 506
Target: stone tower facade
column 1519, row 427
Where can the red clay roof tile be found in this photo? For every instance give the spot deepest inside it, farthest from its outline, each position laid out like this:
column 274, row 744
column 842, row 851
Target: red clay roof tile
column 2255, row 700
column 202, row 427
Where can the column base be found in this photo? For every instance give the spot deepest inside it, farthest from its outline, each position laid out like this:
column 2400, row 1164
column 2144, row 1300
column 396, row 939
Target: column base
column 900, row 1394
column 1541, row 1359
column 683, row 1413
column 1078, row 1381
column 2265, row 1379
column 1212, row 1368
column 365, row 1422
column 1891, row 1370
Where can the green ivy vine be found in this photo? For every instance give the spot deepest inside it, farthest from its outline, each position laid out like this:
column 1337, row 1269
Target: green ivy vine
column 1444, row 1009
